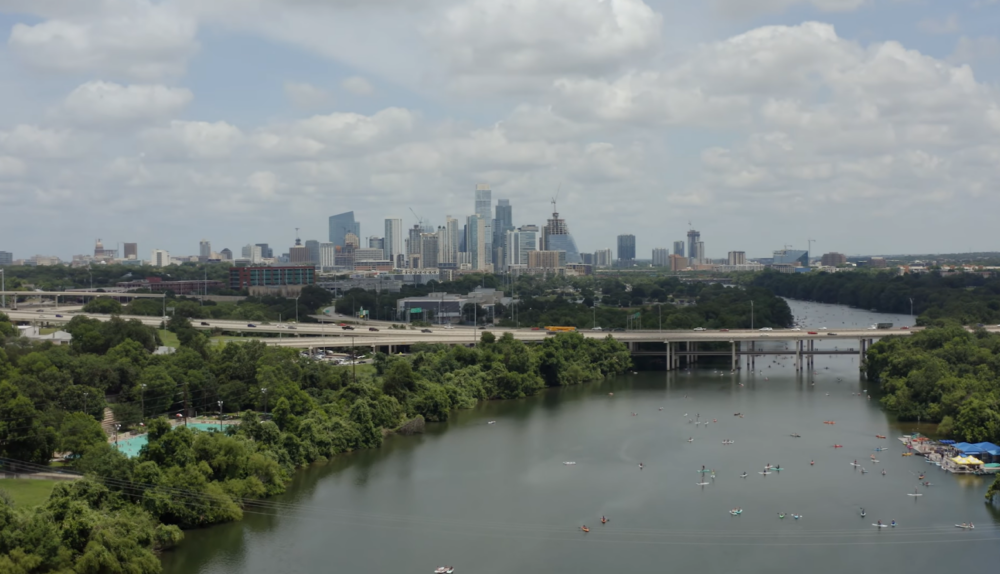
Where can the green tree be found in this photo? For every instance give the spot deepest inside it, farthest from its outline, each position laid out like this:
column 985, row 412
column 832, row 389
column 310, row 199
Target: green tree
column 103, row 305
column 79, row 432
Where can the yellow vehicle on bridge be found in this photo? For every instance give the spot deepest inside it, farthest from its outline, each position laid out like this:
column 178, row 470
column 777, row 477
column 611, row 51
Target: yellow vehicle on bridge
column 560, row 329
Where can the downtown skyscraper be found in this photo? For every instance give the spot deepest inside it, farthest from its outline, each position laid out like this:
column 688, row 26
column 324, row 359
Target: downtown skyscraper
column 342, row 224
column 503, row 223
column 393, row 240
column 484, row 210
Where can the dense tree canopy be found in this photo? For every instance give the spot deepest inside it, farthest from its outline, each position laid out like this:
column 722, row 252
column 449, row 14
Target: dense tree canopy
column 947, row 375
column 968, row 298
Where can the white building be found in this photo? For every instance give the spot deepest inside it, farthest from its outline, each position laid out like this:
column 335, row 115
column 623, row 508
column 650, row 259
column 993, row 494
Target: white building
column 602, row 258
column 327, row 255
column 159, row 258
column 393, row 239
column 661, row 257
column 475, row 241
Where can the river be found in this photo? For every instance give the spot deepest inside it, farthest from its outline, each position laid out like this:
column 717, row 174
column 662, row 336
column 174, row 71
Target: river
column 491, row 498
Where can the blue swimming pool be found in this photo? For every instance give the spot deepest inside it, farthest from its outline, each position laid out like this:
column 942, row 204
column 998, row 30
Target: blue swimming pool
column 132, row 446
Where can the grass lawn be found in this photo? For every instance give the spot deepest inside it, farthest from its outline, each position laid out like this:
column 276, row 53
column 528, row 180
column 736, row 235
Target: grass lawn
column 27, row 493
column 169, row 339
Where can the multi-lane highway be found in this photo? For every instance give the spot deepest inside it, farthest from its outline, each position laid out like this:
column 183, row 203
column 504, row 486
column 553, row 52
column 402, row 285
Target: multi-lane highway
column 305, row 334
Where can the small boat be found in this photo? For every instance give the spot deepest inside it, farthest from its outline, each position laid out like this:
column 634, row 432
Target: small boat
column 829, row 423
column 796, row 435
column 585, row 529
column 569, row 463
column 444, row 570
column 604, row 521
column 690, row 440
column 965, row 526
column 907, row 454
column 838, row 446
column 863, row 514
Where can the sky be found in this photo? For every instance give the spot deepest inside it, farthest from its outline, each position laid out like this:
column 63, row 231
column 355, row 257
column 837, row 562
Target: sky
column 868, row 126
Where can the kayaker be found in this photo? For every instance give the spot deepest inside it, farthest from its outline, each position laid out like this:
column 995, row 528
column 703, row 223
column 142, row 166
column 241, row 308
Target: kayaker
column 893, row 523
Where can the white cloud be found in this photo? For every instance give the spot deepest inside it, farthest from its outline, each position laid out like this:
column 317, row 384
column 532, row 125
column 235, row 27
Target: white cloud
column 482, row 40
column 192, row 141
column 357, row 86
column 11, row 167
column 935, row 26
column 747, row 8
column 969, row 50
column 307, row 96
column 103, row 103
column 134, row 39
column 34, row 142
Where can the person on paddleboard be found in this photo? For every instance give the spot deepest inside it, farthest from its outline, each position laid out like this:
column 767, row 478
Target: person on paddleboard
column 880, row 523
column 812, row 462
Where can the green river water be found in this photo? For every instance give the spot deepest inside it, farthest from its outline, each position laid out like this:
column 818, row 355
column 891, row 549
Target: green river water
column 491, row 498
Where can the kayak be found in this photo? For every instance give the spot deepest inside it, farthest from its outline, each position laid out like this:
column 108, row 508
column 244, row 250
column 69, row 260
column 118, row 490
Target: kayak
column 744, row 475
column 444, row 570
column 796, row 516
column 736, row 512
column 879, row 436
column 585, row 529
column 907, row 454
column 965, row 526
column 838, row 446
column 781, row 516
column 829, row 422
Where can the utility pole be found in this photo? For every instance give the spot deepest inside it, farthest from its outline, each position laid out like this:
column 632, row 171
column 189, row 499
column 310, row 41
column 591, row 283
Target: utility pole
column 142, row 400
column 354, row 361
column 3, row 287
column 263, row 391
column 751, row 314
column 220, row 415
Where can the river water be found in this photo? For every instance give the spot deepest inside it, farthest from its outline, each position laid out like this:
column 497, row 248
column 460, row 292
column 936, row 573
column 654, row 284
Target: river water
column 491, row 498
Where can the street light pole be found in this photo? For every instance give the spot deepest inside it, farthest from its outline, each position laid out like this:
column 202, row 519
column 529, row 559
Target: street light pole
column 354, row 361
column 263, row 391
column 220, row 415
column 142, row 400
column 297, row 309
column 3, row 287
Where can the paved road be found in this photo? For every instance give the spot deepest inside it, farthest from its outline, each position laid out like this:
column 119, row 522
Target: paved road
column 387, row 336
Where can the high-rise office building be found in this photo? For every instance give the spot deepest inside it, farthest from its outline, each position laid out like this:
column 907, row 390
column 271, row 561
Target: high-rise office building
column 503, row 222
column 678, row 262
column 327, row 255
column 393, row 239
column 661, row 257
column 204, row 250
column 265, row 251
column 702, row 258
column 475, row 242
column 159, row 258
column 602, row 258
column 519, row 243
column 429, row 250
column 312, row 248
column 451, row 239
column 693, row 238
column 546, row 259
column 484, row 209
column 679, row 248
column 737, row 258
column 298, row 252
column 342, row 224
column 556, row 237
column 226, row 254
column 6, row 258
column 626, row 250
column 131, row 251
column 413, row 241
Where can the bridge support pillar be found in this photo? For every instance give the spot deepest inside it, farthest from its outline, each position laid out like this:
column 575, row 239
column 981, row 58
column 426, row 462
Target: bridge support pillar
column 798, row 355
column 862, row 348
column 666, row 356
column 733, row 362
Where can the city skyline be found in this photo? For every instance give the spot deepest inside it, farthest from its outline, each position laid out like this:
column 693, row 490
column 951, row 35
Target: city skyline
column 844, row 115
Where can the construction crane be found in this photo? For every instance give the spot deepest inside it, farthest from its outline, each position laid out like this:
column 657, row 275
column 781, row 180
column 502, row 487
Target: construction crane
column 420, row 220
column 811, row 241
column 556, row 198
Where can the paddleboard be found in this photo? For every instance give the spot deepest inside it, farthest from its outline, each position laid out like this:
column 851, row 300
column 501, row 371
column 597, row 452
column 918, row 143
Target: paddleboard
column 853, row 464
column 772, row 468
column 965, row 527
column 881, row 525
column 912, row 494
column 764, row 473
column 874, row 460
column 704, row 471
column 702, row 483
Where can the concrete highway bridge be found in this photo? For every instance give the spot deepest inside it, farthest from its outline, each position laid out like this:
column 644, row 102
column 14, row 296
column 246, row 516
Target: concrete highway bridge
column 677, row 348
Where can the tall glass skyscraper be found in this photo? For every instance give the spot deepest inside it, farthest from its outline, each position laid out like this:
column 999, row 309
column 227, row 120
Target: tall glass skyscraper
column 342, row 224
column 694, row 238
column 475, row 233
column 484, row 209
column 393, row 239
column 503, row 223
column 556, row 237
column 626, row 249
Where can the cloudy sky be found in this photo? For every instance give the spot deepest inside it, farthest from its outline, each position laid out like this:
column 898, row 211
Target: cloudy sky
column 871, row 126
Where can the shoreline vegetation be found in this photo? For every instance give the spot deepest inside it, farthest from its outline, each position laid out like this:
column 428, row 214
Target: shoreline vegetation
column 129, row 509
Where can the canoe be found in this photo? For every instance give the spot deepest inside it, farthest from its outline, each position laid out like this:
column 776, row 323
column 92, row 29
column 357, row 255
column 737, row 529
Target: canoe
column 965, row 526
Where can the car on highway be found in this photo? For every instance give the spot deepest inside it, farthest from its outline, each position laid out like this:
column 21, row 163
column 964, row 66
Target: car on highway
column 291, row 327
column 831, row 334
column 618, row 330
column 372, row 329
column 536, row 328
column 765, row 329
column 449, row 326
column 251, row 325
column 205, row 323
column 699, row 328
column 907, row 328
column 426, row 331
column 38, row 311
column 812, row 333
column 795, row 329
column 596, row 329
column 60, row 316
column 347, row 328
